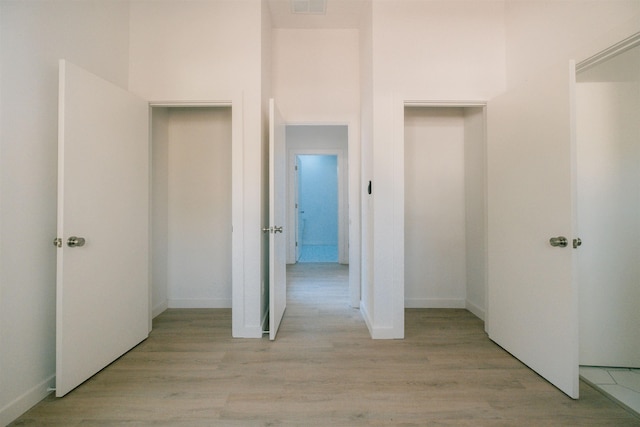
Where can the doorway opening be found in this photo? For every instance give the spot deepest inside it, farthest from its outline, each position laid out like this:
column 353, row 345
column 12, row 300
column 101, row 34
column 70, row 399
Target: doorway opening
column 608, row 203
column 318, row 200
column 191, row 213
column 444, row 208
column 318, row 189
column 317, row 208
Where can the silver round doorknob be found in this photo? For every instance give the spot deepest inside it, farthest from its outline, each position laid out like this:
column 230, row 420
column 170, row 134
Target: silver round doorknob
column 74, row 242
column 560, row 241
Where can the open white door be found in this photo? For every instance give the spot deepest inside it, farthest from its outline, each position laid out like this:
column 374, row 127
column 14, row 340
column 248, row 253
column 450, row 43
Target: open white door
column 532, row 295
column 277, row 213
column 103, row 198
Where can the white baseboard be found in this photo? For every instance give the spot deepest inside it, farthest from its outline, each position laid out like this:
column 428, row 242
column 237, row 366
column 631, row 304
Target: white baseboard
column 26, row 401
column 366, row 317
column 378, row 333
column 199, row 303
column 475, row 309
column 434, row 303
column 158, row 309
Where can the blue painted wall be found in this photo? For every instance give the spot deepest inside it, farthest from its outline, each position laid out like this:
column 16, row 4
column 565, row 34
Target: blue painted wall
column 318, row 199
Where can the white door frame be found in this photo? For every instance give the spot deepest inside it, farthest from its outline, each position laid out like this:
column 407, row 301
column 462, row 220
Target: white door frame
column 237, row 201
column 396, row 291
column 343, row 213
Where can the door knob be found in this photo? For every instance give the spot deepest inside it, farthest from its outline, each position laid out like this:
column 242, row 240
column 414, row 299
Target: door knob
column 267, row 229
column 277, row 229
column 559, row 241
column 577, row 242
column 74, row 241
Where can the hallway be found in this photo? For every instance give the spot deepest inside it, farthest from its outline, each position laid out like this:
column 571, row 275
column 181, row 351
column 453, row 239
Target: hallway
column 323, row 369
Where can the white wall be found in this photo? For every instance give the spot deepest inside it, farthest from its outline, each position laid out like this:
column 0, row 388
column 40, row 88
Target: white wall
column 33, row 36
column 608, row 154
column 366, row 163
column 427, row 51
column 609, row 222
column 213, row 51
column 316, row 75
column 199, row 208
column 541, row 33
column 159, row 209
column 434, row 193
column 476, row 209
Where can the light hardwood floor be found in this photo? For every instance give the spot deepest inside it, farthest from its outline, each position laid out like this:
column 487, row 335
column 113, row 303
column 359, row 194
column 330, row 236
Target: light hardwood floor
column 323, row 370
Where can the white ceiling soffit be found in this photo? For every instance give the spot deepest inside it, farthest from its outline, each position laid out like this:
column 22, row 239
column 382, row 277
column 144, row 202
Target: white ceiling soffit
column 316, row 14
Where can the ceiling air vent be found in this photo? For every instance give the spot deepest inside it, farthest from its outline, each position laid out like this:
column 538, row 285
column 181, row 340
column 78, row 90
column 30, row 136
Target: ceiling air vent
column 313, row 7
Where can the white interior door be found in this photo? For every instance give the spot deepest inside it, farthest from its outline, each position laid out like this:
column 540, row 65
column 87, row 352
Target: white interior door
column 103, row 197
column 277, row 214
column 532, row 295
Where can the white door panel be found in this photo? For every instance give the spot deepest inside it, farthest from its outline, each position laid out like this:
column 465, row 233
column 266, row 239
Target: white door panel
column 103, row 196
column 532, row 297
column 277, row 218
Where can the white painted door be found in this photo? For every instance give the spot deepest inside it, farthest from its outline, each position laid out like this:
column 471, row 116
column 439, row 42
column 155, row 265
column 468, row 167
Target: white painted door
column 298, row 221
column 277, row 214
column 103, row 197
column 532, row 295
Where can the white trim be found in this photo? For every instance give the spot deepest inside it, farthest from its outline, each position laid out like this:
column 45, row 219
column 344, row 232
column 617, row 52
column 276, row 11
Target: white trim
column 367, row 318
column 26, row 401
column 452, row 104
column 434, row 303
column 199, row 303
column 159, row 309
column 399, row 103
column 236, row 103
column 170, row 104
column 616, row 49
column 475, row 309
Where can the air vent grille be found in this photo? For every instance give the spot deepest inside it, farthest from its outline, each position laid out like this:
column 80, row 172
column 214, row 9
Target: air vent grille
column 311, row 7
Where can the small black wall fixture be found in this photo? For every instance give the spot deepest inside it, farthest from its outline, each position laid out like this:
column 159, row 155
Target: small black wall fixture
column 369, row 188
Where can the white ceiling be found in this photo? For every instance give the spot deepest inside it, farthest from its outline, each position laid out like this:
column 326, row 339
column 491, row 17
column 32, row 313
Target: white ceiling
column 339, row 14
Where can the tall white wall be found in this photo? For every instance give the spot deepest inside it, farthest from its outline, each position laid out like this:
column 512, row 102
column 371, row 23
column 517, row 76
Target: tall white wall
column 199, row 208
column 608, row 135
column 366, row 162
column 316, row 75
column 428, row 51
column 608, row 203
column 159, row 209
column 434, row 208
column 213, row 51
column 34, row 35
column 542, row 33
column 475, row 209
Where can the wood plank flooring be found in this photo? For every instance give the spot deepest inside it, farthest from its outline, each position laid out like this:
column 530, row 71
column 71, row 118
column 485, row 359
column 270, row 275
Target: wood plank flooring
column 322, row 370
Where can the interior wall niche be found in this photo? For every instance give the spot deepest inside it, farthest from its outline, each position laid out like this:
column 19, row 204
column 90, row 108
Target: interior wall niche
column 445, row 227
column 191, row 207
